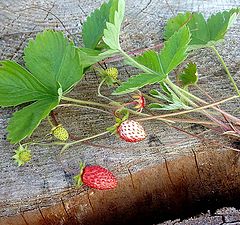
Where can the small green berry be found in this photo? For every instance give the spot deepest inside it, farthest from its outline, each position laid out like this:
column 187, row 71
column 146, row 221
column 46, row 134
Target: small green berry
column 60, row 133
column 112, row 72
column 22, row 155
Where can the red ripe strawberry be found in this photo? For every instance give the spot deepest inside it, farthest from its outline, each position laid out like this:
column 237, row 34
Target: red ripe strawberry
column 131, row 131
column 99, row 178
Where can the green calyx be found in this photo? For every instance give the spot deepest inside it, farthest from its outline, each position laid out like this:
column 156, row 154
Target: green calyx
column 22, row 155
column 121, row 115
column 78, row 178
column 109, row 75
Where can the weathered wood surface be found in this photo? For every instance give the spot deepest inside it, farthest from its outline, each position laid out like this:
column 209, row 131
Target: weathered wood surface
column 147, row 172
column 223, row 216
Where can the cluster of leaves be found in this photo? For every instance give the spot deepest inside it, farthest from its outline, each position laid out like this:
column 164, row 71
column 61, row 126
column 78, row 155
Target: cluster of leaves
column 157, row 66
column 183, row 33
column 54, row 65
column 204, row 33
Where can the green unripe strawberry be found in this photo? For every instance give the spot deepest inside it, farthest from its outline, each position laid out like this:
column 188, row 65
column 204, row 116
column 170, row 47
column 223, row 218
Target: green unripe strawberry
column 112, row 72
column 60, row 133
column 22, row 155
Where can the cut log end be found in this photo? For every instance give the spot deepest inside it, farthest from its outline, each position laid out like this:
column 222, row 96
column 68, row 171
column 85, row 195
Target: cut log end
column 176, row 189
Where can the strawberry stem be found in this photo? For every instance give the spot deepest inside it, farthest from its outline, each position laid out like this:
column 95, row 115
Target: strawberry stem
column 184, row 93
column 99, row 91
column 226, row 69
column 83, row 106
column 50, row 122
column 82, row 102
column 191, row 110
column 82, row 140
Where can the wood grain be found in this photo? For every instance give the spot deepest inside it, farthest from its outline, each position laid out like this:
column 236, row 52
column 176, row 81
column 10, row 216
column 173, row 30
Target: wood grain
column 152, row 173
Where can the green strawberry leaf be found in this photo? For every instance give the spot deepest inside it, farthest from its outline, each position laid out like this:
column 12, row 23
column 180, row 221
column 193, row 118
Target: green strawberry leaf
column 189, row 76
column 156, row 94
column 157, row 65
column 24, row 121
column 172, row 106
column 175, row 23
column 175, row 50
column 54, row 68
column 136, row 82
column 18, row 86
column 204, row 33
column 93, row 27
column 219, row 23
column 150, row 60
column 52, row 59
column 89, row 56
column 113, row 28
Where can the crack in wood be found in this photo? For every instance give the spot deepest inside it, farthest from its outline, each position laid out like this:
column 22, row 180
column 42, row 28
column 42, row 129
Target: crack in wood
column 170, row 8
column 129, row 171
column 28, row 35
column 90, row 203
column 24, row 218
column 39, row 209
column 143, row 9
column 80, row 7
column 197, row 167
column 223, row 219
column 10, row 23
column 169, row 176
column 64, row 207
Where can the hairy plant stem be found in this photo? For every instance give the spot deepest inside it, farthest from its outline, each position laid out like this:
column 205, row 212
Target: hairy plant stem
column 190, row 110
column 44, row 144
column 84, row 106
column 182, row 92
column 183, row 96
column 50, row 122
column 82, row 102
column 99, row 91
column 82, row 140
column 135, row 63
column 187, row 96
column 226, row 69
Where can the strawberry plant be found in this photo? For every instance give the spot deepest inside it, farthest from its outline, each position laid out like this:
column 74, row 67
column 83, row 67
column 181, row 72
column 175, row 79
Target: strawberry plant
column 54, row 65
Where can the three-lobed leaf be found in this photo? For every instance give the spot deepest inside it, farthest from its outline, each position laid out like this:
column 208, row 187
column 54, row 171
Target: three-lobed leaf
column 24, row 121
column 158, row 66
column 204, row 33
column 52, row 59
column 18, row 86
column 54, row 67
column 136, row 82
column 95, row 24
column 113, row 28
